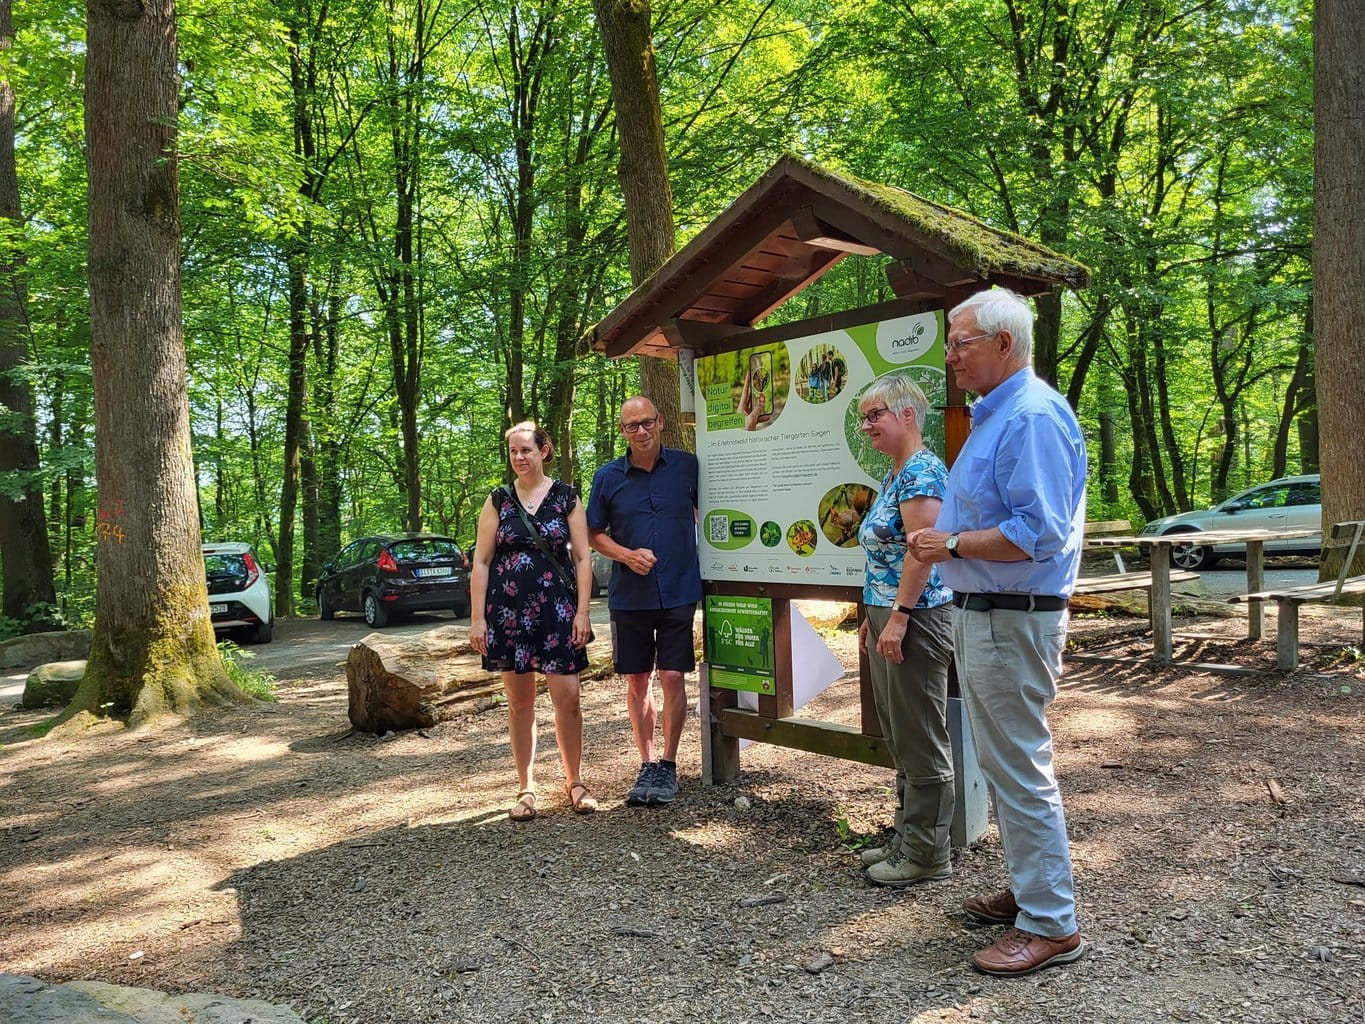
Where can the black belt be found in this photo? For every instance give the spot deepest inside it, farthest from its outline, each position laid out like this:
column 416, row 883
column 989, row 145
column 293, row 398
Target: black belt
column 1010, row 602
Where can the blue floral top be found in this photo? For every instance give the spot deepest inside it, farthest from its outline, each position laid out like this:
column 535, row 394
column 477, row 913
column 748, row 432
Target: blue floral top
column 882, row 533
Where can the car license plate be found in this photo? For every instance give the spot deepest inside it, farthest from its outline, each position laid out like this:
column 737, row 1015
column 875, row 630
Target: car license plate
column 435, row 570
column 217, row 609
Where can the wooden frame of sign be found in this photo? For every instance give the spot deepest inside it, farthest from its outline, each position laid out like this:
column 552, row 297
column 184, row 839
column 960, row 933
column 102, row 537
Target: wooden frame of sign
column 784, row 233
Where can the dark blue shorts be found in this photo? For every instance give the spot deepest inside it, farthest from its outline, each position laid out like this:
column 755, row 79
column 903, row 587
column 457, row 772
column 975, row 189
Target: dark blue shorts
column 643, row 640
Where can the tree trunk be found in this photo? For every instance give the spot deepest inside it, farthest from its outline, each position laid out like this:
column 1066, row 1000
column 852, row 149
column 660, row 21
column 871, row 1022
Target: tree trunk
column 153, row 647
column 1339, row 261
column 25, row 554
column 628, row 44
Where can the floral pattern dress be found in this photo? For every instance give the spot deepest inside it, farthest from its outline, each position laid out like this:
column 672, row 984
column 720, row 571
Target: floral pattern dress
column 529, row 608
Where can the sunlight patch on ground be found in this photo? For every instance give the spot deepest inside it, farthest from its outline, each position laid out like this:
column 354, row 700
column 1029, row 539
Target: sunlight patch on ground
column 94, row 902
column 1102, row 722
column 714, row 835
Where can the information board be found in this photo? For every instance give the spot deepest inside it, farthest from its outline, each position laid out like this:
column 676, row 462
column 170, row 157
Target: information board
column 739, row 643
column 787, row 474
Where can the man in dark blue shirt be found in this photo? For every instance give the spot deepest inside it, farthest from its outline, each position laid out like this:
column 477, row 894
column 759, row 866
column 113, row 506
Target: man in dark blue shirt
column 642, row 514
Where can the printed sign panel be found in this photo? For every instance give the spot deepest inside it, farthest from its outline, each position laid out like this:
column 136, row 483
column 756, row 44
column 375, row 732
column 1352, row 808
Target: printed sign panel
column 739, row 643
column 787, row 474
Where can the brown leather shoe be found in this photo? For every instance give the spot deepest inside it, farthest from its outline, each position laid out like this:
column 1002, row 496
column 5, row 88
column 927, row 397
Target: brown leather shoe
column 999, row 908
column 1018, row 952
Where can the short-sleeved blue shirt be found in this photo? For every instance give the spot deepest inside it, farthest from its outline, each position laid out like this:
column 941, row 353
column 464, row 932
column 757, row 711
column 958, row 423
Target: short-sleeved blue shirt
column 882, row 533
column 656, row 510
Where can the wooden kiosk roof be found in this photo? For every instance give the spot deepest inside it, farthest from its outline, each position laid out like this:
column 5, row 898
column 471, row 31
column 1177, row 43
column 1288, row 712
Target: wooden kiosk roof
column 793, row 225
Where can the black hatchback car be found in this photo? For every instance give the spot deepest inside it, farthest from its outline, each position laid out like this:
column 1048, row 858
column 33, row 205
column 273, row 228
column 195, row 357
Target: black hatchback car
column 394, row 574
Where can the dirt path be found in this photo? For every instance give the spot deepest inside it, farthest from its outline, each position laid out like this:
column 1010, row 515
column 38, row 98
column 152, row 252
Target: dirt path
column 270, row 852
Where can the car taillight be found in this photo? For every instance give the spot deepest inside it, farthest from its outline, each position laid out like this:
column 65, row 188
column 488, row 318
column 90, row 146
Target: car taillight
column 252, row 572
column 386, row 562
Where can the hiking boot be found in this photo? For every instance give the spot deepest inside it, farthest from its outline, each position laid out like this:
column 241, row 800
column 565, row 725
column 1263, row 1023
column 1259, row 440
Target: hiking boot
column 1018, row 952
column 999, row 908
column 877, row 854
column 638, row 795
column 664, row 788
column 898, row 871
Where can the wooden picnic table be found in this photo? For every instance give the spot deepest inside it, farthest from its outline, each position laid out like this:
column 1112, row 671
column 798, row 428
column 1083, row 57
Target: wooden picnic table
column 1161, row 573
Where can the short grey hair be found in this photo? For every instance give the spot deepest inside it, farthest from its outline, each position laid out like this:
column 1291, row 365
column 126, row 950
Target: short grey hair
column 897, row 392
column 999, row 309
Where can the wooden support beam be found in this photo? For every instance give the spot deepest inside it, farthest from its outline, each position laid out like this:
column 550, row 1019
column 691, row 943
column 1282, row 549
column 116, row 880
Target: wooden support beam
column 813, row 231
column 699, row 334
column 909, row 283
column 800, row 275
column 841, row 741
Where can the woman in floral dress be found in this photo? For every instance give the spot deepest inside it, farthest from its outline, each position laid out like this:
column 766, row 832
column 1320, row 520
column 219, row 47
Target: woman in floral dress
column 527, row 616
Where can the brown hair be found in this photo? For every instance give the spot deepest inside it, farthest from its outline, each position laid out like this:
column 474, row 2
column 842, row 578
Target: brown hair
column 538, row 435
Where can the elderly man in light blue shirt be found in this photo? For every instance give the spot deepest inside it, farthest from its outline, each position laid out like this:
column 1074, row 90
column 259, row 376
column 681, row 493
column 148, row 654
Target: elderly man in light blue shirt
column 1008, row 542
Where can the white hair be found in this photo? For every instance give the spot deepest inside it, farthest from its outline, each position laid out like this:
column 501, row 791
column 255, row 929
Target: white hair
column 999, row 309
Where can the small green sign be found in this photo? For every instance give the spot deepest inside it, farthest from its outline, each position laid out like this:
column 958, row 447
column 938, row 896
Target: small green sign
column 739, row 642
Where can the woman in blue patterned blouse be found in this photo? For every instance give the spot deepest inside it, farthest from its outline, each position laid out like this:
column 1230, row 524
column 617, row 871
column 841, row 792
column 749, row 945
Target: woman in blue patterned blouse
column 907, row 635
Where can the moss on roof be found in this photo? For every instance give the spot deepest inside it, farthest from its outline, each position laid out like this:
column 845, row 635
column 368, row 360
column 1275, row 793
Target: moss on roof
column 976, row 244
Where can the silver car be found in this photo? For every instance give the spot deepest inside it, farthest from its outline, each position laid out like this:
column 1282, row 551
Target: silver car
column 1289, row 503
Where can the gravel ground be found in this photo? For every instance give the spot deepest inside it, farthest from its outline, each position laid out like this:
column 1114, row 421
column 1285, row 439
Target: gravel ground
column 1218, row 833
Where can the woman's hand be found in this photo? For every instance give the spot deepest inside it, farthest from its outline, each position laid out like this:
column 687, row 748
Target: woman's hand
column 478, row 635
column 891, row 638
column 582, row 629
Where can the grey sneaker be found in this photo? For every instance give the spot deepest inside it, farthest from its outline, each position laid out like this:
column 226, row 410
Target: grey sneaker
column 639, row 793
column 877, row 854
column 899, row 871
column 664, row 788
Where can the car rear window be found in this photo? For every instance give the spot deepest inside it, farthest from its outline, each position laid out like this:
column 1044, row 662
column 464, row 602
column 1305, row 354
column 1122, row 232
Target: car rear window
column 422, row 550
column 225, row 569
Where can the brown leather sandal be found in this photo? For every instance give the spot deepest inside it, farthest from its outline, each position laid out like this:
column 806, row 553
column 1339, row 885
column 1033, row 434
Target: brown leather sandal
column 584, row 804
column 525, row 807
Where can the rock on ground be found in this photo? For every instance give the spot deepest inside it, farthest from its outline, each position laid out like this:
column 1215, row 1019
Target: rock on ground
column 37, row 648
column 92, row 1002
column 53, row 685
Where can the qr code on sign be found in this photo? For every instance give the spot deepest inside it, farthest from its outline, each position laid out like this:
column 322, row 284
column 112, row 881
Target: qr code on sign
column 720, row 529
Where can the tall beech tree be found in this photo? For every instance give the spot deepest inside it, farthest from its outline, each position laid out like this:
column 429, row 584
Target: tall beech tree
column 1339, row 261
column 153, row 647
column 24, row 551
column 629, row 48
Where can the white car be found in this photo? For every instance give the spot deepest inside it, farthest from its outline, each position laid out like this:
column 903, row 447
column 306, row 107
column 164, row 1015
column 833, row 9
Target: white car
column 1289, row 503
column 239, row 590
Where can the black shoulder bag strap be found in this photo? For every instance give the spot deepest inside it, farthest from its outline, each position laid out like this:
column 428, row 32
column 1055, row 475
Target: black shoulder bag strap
column 565, row 577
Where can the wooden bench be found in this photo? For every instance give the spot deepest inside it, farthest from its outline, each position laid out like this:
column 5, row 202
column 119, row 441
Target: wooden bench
column 1117, row 581
column 1288, row 599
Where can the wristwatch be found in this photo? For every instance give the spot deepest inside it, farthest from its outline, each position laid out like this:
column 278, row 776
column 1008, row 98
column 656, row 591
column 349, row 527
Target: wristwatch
column 951, row 545
column 903, row 610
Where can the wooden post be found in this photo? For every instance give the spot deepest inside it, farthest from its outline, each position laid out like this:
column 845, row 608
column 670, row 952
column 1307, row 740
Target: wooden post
column 872, row 725
column 720, row 753
column 1255, row 584
column 1286, row 632
column 779, row 704
column 1161, row 603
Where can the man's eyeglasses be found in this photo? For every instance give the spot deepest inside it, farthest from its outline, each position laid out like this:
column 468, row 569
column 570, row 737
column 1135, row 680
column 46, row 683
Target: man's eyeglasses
column 870, row 417
column 961, row 343
column 639, row 425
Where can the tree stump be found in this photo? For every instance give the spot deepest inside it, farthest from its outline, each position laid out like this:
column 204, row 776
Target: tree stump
column 413, row 682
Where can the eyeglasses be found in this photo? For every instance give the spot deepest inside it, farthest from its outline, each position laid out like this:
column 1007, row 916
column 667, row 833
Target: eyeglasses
column 870, row 417
column 639, row 425
column 959, row 345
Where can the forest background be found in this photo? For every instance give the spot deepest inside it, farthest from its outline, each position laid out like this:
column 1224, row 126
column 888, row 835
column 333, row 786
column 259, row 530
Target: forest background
column 400, row 218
